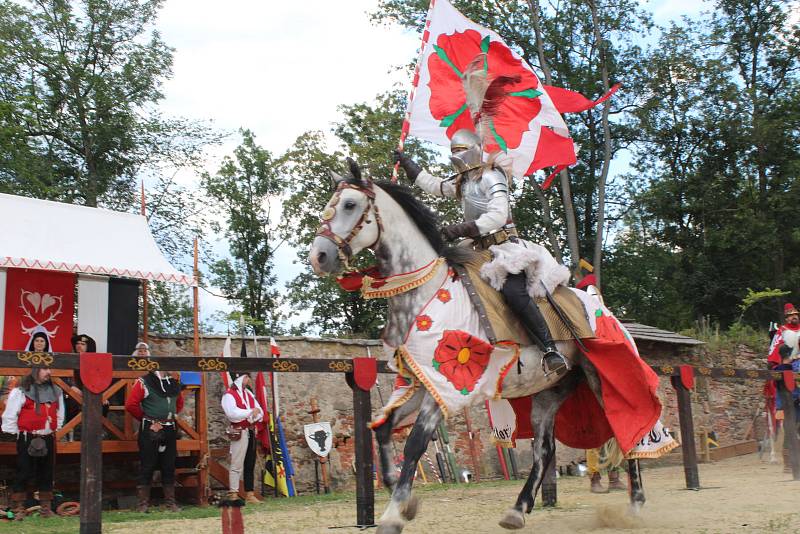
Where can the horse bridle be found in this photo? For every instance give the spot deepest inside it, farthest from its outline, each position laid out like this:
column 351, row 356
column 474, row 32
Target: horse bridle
column 343, row 248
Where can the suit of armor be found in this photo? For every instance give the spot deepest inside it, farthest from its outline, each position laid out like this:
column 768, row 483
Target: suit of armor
column 484, row 194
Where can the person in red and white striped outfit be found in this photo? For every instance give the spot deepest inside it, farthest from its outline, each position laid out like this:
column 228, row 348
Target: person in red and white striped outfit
column 243, row 412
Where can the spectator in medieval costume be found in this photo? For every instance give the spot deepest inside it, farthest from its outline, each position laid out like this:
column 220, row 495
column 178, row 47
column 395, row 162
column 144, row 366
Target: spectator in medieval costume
column 155, row 400
column 787, row 364
column 39, row 342
column 34, row 411
column 787, row 334
column 243, row 412
column 609, row 458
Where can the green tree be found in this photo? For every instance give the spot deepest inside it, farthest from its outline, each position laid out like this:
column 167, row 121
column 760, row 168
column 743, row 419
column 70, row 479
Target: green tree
column 79, row 84
column 247, row 190
column 369, row 133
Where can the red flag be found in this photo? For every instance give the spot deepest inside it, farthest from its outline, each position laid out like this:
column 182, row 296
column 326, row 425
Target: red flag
column 39, row 301
column 274, row 348
column 262, row 427
column 567, row 101
column 226, row 353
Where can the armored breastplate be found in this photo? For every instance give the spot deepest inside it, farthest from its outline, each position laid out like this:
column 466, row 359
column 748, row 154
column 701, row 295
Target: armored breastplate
column 474, row 199
column 476, row 193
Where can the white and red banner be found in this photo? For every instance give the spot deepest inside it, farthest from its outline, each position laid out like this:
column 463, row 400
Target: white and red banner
column 38, row 301
column 527, row 125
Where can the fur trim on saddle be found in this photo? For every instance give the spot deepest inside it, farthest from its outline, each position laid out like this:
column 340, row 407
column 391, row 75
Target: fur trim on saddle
column 539, row 265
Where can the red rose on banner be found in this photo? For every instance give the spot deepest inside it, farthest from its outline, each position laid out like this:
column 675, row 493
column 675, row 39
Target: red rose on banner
column 448, row 100
column 461, row 358
column 424, row 323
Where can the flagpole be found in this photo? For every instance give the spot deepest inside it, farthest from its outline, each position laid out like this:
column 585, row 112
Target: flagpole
column 196, row 308
column 414, row 83
column 145, row 325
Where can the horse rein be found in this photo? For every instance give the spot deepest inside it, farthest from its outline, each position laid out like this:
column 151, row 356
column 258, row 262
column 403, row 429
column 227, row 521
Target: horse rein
column 343, row 248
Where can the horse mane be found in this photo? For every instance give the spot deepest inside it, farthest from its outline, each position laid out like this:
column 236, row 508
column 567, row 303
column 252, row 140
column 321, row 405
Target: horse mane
column 425, row 218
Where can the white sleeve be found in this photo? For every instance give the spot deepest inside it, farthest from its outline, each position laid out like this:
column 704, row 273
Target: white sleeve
column 11, row 414
column 436, row 186
column 60, row 412
column 496, row 215
column 260, row 410
column 233, row 412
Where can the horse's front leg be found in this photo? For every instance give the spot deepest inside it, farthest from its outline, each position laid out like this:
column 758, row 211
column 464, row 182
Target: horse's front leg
column 635, row 487
column 545, row 406
column 402, row 506
column 383, row 435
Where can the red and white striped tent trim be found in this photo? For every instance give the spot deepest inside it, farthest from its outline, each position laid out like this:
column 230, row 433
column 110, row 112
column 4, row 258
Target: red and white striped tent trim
column 52, row 236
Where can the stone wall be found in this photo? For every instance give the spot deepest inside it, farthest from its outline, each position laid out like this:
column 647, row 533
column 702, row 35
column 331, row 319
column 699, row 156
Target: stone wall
column 725, row 407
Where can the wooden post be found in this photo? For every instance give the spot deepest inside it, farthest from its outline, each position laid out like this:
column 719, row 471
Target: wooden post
column 473, row 453
column 196, row 296
column 323, row 460
column 365, row 489
column 549, row 487
column 790, row 427
column 91, row 463
column 145, row 326
column 201, row 421
column 687, row 434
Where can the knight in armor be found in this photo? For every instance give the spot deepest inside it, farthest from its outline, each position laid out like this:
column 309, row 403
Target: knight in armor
column 483, row 189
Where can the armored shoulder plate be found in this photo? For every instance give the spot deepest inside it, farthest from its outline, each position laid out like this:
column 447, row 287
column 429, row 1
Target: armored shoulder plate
column 494, row 182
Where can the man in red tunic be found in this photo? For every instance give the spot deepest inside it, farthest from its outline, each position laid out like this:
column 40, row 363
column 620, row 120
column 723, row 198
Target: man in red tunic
column 787, row 334
column 155, row 400
column 242, row 410
column 34, row 411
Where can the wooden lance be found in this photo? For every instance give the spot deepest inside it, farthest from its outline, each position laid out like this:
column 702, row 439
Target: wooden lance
column 322, row 460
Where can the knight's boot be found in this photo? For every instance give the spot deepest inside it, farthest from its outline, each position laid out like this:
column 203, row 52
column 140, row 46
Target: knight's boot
column 614, row 483
column 142, row 498
column 596, row 486
column 169, row 499
column 250, row 498
column 533, row 321
column 46, row 504
column 18, row 505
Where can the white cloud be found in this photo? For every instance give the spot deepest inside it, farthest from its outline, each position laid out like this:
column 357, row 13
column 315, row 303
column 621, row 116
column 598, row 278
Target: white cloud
column 278, row 69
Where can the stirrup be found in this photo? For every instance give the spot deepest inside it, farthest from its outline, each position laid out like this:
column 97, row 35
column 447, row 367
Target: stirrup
column 558, row 370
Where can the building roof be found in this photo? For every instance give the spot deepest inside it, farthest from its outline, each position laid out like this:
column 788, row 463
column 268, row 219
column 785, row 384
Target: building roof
column 651, row 333
column 40, row 234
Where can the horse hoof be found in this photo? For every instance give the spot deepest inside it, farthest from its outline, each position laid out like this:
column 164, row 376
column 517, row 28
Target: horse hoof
column 635, row 509
column 513, row 520
column 411, row 508
column 394, row 527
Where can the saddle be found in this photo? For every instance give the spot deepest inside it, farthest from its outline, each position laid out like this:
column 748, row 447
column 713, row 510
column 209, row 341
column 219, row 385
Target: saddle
column 500, row 322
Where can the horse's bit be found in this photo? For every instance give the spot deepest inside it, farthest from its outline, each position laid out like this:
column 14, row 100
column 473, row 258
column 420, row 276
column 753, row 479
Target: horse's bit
column 343, row 249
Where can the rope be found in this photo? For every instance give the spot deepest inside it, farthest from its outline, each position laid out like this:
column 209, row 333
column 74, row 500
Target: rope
column 68, row 508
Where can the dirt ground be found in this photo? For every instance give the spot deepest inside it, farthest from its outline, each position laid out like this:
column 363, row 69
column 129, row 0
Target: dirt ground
column 739, row 495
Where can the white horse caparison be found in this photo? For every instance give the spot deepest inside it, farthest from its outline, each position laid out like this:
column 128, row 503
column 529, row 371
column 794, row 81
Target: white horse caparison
column 403, row 234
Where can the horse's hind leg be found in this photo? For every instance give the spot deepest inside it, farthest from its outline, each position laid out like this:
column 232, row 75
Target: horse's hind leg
column 545, row 406
column 383, row 435
column 403, row 505
column 635, row 486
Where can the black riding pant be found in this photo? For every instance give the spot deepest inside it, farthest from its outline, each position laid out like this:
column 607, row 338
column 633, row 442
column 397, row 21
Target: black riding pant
column 249, row 467
column 150, row 458
column 38, row 470
column 515, row 291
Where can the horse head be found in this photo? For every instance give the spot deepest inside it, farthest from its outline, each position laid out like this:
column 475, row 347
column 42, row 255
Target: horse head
column 349, row 223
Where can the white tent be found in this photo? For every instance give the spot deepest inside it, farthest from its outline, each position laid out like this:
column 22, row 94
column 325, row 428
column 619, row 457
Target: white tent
column 40, row 234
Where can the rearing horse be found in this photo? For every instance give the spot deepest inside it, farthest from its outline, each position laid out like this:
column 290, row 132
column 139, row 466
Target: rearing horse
column 403, row 234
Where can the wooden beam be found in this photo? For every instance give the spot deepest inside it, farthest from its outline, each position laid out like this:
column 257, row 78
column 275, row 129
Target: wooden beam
column 688, row 447
column 91, row 464
column 202, row 429
column 365, row 489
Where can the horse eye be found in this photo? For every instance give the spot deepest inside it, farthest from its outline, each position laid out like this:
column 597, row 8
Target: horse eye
column 349, row 205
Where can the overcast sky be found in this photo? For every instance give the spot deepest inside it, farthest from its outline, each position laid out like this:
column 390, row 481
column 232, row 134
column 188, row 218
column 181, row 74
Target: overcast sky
column 281, row 68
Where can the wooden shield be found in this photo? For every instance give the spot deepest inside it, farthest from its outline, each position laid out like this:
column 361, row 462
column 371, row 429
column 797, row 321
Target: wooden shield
column 687, row 376
column 365, row 372
column 788, row 379
column 96, row 371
